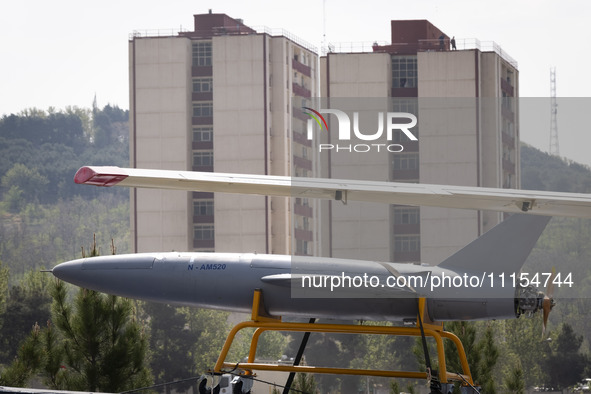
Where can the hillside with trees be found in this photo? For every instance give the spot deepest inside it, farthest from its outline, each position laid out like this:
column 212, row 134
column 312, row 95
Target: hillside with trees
column 44, row 216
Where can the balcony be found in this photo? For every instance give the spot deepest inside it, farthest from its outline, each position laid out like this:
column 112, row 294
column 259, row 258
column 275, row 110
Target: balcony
column 508, row 167
column 407, row 257
column 203, row 168
column 507, row 112
column 202, row 120
column 300, row 138
column 407, row 228
column 202, row 96
column 302, row 210
column 405, row 175
column 300, row 162
column 203, row 219
column 301, row 67
column 201, row 71
column 404, row 92
column 202, row 145
column 202, row 195
column 303, row 235
column 299, row 114
column 206, row 243
column 508, row 140
column 507, row 88
column 300, row 90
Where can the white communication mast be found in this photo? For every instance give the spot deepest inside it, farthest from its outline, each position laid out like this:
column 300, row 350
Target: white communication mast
column 554, row 147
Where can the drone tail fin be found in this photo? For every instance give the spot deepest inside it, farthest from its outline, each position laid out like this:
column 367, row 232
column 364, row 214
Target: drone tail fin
column 502, row 249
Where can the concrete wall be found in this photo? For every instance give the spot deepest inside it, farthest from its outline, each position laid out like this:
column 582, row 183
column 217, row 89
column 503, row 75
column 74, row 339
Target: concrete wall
column 460, row 142
column 449, row 144
column 160, row 77
column 239, row 139
column 360, row 230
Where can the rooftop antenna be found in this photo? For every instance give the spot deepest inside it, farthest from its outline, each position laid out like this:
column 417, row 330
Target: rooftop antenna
column 554, row 147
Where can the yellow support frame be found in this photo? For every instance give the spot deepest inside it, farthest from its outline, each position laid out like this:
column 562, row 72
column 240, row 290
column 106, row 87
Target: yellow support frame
column 263, row 322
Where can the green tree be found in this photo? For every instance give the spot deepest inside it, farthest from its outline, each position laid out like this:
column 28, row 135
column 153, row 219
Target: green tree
column 107, row 125
column 566, row 364
column 482, row 353
column 394, row 387
column 103, row 347
column 30, row 359
column 28, row 304
column 489, row 354
column 522, row 344
column 515, row 382
column 187, row 341
column 211, row 327
column 466, row 332
column 4, row 272
column 171, row 343
column 94, row 344
column 304, row 382
column 27, row 180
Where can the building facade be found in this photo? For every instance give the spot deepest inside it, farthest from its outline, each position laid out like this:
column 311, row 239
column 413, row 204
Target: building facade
column 220, row 98
column 227, row 98
column 464, row 98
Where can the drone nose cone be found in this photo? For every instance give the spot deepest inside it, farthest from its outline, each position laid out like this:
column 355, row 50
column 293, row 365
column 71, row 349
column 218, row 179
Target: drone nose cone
column 69, row 271
column 108, row 274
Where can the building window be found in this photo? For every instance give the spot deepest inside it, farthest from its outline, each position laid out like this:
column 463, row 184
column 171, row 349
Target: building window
column 203, row 232
column 407, row 243
column 404, row 71
column 203, row 134
column 301, row 247
column 201, row 54
column 399, row 137
column 202, row 85
column 407, row 215
column 409, row 105
column 202, row 159
column 302, row 222
column 405, row 161
column 203, row 208
column 202, row 109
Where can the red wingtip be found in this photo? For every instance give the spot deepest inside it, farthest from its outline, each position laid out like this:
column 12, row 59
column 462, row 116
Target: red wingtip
column 99, row 176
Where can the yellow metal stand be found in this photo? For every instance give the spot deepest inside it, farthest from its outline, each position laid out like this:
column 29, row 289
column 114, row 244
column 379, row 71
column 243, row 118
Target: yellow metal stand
column 263, row 322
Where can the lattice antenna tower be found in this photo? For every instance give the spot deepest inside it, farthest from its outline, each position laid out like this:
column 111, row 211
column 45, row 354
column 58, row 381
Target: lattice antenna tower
column 554, row 147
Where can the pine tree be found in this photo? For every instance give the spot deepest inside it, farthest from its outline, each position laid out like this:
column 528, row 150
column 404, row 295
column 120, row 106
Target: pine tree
column 515, row 383
column 566, row 364
column 489, row 355
column 94, row 344
column 305, row 382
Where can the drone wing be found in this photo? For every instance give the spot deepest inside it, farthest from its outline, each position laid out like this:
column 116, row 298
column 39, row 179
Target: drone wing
column 463, row 197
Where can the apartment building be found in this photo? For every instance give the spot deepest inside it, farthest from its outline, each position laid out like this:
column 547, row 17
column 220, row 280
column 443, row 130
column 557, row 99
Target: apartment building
column 220, row 98
column 463, row 94
column 226, row 97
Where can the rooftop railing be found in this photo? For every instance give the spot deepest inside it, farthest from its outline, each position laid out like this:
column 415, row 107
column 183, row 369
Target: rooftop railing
column 466, row 44
column 173, row 32
column 352, row 47
column 222, row 31
column 421, row 46
column 286, row 34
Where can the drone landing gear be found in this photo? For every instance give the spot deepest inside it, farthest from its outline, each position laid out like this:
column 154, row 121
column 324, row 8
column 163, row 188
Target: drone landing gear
column 262, row 322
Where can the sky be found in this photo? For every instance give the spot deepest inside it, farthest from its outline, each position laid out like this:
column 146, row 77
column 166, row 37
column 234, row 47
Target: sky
column 64, row 52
